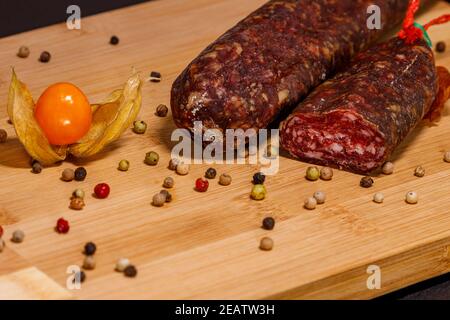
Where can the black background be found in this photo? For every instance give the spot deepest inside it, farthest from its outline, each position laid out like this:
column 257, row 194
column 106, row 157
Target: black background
column 22, row 15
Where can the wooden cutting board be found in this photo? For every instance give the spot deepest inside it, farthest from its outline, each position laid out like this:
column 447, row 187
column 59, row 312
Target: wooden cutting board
column 204, row 245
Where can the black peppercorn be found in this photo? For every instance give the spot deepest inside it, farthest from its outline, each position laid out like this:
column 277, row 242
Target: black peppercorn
column 90, row 248
column 259, row 178
column 80, row 174
column 155, row 76
column 440, row 46
column 210, row 173
column 162, row 110
column 167, row 194
column 79, row 276
column 130, row 271
column 268, row 223
column 366, row 182
column 36, row 167
column 45, row 57
column 114, row 40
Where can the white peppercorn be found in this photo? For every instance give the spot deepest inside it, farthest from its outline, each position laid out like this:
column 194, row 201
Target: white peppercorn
column 378, row 197
column 2, row 245
column 320, row 197
column 68, row 175
column 412, row 197
column 159, row 199
column 310, row 203
column 447, row 156
column 388, row 168
column 173, row 164
column 326, row 173
column 78, row 193
column 225, row 179
column 121, row 264
column 182, row 169
column 419, row 172
column 266, row 244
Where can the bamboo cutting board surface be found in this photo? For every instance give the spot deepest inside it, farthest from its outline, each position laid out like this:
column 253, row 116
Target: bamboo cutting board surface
column 204, row 245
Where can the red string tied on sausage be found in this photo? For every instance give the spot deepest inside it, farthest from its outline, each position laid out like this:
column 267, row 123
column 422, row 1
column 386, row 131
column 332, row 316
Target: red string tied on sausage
column 413, row 31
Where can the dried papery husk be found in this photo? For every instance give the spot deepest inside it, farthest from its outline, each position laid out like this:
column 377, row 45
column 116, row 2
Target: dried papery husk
column 20, row 109
column 110, row 119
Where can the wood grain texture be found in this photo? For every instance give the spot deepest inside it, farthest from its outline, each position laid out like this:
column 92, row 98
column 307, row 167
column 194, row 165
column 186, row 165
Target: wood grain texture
column 206, row 245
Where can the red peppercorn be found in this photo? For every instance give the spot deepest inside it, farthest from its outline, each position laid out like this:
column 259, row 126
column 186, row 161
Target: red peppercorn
column 101, row 190
column 62, row 226
column 201, row 185
column 1, row 231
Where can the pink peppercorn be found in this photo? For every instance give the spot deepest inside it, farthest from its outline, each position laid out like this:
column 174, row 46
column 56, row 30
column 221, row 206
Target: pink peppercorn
column 101, row 190
column 201, row 185
column 1, row 231
column 62, row 226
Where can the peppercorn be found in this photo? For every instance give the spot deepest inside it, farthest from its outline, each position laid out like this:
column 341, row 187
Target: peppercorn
column 23, row 52
column 2, row 245
column 162, row 110
column 201, row 185
column 326, row 173
column 268, row 223
column 378, row 197
column 210, row 173
column 366, row 182
column 419, row 172
column 312, row 174
column 62, row 226
column 182, row 168
column 225, row 179
column 173, row 163
column 124, row 165
column 80, row 277
column 320, row 197
column 130, row 271
column 80, row 174
column 90, row 248
column 266, row 244
column 139, row 127
column 114, row 40
column 168, row 183
column 447, row 156
column 440, row 46
column 122, row 264
column 36, row 167
column 259, row 178
column 155, row 76
column 151, row 158
column 101, row 190
column 45, row 57
column 89, row 263
column 412, row 197
column 3, row 135
column 1, row 231
column 167, row 194
column 388, row 168
column 78, row 193
column 67, row 175
column 76, row 203
column 310, row 203
column 258, row 192
column 159, row 199
column 18, row 236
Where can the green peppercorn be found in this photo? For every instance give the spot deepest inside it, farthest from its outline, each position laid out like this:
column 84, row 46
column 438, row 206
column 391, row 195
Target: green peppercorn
column 210, row 173
column 80, row 174
column 139, row 127
column 258, row 192
column 312, row 174
column 366, row 182
column 259, row 178
column 151, row 158
column 124, row 165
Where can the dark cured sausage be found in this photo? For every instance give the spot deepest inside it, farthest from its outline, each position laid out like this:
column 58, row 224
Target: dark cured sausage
column 273, row 58
column 355, row 120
